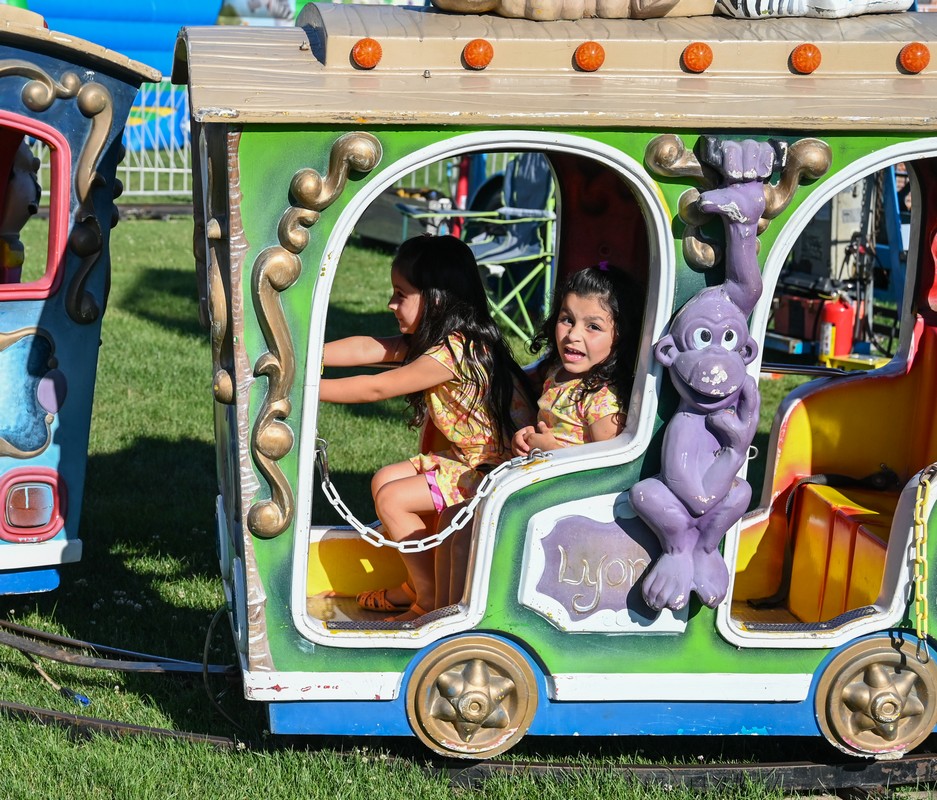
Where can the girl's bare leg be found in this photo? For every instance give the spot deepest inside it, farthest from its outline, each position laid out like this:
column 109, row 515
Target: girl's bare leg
column 402, row 506
column 461, row 546
column 392, row 472
column 385, row 475
column 451, row 560
column 442, row 566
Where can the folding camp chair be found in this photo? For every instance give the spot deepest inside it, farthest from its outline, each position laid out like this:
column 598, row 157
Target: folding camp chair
column 515, row 247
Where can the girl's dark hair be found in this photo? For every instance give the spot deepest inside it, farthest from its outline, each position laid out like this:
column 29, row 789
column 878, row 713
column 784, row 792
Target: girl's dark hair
column 621, row 297
column 445, row 272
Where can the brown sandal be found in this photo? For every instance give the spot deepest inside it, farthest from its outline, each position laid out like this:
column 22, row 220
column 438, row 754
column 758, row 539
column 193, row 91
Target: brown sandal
column 413, row 613
column 376, row 600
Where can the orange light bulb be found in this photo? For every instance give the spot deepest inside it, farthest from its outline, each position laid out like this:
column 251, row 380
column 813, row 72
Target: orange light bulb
column 697, row 57
column 366, row 53
column 477, row 54
column 589, row 56
column 805, row 58
column 914, row 57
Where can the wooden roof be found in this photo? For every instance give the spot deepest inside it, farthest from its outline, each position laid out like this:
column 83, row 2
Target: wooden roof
column 305, row 75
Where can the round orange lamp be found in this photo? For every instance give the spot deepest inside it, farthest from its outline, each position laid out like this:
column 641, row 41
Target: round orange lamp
column 477, row 54
column 697, row 57
column 914, row 57
column 589, row 56
column 366, row 53
column 805, row 58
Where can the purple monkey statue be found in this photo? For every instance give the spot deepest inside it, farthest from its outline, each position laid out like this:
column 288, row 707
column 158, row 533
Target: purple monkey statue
column 698, row 495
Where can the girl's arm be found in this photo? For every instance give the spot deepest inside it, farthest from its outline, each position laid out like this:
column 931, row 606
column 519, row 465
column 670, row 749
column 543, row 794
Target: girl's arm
column 417, row 376
column 606, row 428
column 542, row 438
column 356, row 351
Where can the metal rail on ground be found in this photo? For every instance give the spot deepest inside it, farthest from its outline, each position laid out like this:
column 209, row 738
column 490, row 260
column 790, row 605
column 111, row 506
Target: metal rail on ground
column 842, row 773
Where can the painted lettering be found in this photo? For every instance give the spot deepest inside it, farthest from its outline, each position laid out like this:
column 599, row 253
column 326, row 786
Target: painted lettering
column 606, row 573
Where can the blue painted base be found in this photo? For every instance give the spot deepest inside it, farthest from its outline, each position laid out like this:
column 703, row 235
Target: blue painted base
column 674, row 719
column 29, row 581
column 389, row 718
column 339, row 718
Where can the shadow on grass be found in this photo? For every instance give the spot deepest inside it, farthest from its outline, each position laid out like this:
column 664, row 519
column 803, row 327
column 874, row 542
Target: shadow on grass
column 354, row 489
column 604, row 754
column 344, row 322
column 166, row 297
column 149, row 580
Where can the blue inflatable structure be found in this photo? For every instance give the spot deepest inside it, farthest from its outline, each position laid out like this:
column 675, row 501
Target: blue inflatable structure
column 144, row 30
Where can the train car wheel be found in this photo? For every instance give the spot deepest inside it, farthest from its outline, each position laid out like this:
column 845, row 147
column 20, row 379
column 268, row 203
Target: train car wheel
column 471, row 697
column 876, row 698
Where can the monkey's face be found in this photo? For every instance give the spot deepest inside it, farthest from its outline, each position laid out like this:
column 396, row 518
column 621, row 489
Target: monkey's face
column 707, row 350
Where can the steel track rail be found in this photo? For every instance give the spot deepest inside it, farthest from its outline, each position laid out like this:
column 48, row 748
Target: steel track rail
column 88, row 725
column 916, row 770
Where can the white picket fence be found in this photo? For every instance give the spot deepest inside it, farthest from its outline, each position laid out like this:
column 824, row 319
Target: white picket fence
column 158, row 159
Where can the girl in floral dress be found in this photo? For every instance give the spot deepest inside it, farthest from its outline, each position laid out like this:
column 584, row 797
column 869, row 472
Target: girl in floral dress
column 589, row 362
column 456, row 373
column 590, row 339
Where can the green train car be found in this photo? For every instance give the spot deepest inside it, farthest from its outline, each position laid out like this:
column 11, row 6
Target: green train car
column 654, row 132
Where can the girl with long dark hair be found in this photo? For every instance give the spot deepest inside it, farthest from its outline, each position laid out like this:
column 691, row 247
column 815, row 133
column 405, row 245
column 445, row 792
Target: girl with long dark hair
column 589, row 346
column 457, row 373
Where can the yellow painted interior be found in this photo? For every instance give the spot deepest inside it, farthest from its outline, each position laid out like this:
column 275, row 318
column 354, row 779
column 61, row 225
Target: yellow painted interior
column 851, row 427
column 837, row 540
column 344, row 565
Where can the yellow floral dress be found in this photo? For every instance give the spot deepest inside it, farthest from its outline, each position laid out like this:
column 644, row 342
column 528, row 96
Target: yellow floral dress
column 459, row 414
column 569, row 417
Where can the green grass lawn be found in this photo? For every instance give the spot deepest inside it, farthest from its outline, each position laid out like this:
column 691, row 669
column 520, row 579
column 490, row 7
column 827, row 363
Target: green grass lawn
column 148, row 579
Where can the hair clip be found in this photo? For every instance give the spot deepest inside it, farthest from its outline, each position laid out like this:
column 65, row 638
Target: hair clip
column 603, row 265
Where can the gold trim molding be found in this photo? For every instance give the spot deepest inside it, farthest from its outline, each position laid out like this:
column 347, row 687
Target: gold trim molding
column 274, row 271
column 667, row 156
column 95, row 102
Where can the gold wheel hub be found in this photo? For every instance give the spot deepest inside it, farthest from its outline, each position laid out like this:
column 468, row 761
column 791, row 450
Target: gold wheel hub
column 472, row 697
column 877, row 699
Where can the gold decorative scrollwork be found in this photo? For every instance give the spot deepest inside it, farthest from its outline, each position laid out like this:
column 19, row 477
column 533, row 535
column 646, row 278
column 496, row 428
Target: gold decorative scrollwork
column 806, row 158
column 86, row 242
column 95, row 102
column 666, row 155
column 274, row 271
column 222, row 382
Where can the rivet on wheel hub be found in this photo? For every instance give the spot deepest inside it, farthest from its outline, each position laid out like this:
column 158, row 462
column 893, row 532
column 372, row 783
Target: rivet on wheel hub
column 886, row 707
column 474, row 706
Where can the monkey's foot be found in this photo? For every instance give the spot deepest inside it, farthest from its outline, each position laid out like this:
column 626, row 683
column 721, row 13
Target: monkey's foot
column 667, row 584
column 710, row 577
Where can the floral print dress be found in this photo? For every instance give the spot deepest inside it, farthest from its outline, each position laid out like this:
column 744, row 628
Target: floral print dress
column 457, row 410
column 568, row 416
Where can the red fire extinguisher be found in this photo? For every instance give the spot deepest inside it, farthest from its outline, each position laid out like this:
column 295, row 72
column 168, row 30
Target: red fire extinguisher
column 837, row 318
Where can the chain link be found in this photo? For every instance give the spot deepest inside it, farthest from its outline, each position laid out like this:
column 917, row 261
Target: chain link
column 459, row 521
column 921, row 501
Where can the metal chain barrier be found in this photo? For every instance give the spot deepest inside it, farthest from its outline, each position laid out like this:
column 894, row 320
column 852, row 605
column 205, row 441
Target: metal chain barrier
column 459, row 521
column 921, row 502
